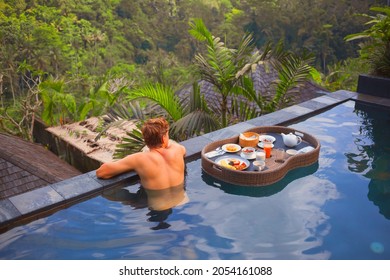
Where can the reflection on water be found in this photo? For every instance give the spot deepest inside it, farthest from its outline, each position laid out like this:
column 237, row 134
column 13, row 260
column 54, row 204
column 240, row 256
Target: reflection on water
column 261, row 191
column 373, row 159
column 355, row 157
column 159, row 202
column 285, row 225
column 367, row 151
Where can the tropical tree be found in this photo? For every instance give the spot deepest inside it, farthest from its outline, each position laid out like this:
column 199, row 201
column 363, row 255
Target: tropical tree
column 228, row 71
column 293, row 71
column 19, row 119
column 342, row 75
column 376, row 48
column 60, row 105
column 188, row 118
column 224, row 67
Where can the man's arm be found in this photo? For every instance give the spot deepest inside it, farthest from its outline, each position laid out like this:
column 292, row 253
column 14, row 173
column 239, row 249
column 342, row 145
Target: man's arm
column 111, row 169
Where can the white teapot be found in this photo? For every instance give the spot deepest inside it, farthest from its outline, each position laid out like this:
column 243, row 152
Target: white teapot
column 291, row 140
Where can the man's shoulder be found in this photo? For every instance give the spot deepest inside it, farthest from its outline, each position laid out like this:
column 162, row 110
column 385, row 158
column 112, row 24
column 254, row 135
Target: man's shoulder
column 177, row 146
column 139, row 156
column 142, row 159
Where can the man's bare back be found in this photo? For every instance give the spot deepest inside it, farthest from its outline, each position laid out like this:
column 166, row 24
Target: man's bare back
column 158, row 168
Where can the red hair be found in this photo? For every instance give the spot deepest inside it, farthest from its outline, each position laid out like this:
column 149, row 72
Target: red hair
column 153, row 131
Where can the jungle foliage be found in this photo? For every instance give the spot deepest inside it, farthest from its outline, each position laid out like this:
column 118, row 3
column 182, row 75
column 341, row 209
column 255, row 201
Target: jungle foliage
column 65, row 60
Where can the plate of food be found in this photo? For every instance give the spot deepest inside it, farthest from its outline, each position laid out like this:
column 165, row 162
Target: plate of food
column 233, row 162
column 231, row 148
column 267, row 138
column 248, row 152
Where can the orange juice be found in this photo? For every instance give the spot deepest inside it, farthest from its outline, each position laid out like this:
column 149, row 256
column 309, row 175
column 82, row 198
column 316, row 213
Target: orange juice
column 267, row 149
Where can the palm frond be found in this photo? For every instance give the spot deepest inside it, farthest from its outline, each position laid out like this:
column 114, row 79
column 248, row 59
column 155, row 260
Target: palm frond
column 120, row 113
column 293, row 70
column 199, row 118
column 199, row 31
column 196, row 100
column 131, row 144
column 251, row 58
column 193, row 124
column 245, row 47
column 243, row 110
column 162, row 95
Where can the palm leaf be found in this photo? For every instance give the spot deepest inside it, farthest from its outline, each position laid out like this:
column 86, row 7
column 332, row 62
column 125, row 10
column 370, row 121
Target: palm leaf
column 161, row 95
column 193, row 124
column 356, row 36
column 119, row 113
column 243, row 110
column 293, row 70
column 199, row 31
column 385, row 10
column 131, row 144
column 198, row 118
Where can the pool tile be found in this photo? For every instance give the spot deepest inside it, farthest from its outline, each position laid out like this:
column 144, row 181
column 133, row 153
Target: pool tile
column 382, row 101
column 240, row 127
column 313, row 105
column 195, row 145
column 76, row 186
column 37, row 199
column 221, row 134
column 297, row 110
column 117, row 180
column 271, row 119
column 7, row 211
column 326, row 100
column 342, row 95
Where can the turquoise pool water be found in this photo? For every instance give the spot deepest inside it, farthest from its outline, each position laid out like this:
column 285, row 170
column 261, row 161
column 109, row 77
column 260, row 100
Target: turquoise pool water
column 338, row 208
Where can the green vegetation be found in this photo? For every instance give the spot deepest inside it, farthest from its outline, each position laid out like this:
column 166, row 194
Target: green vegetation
column 66, row 60
column 227, row 70
column 376, row 48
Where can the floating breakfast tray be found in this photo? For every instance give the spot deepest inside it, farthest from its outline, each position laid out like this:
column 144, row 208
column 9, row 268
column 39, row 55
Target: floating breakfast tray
column 274, row 171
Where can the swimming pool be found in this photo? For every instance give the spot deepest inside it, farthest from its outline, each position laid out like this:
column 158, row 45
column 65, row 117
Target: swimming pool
column 337, row 208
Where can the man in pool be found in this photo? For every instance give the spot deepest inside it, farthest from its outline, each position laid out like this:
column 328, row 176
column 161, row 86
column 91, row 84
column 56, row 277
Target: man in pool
column 159, row 168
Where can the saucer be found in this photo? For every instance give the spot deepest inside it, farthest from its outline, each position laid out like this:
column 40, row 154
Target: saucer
column 246, row 157
column 261, row 145
column 291, row 152
column 267, row 138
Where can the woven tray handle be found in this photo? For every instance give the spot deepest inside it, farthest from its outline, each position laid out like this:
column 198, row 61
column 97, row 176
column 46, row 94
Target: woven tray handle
column 217, row 168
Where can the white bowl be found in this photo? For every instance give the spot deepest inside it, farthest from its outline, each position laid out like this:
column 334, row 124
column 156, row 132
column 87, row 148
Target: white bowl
column 248, row 152
column 267, row 138
column 259, row 165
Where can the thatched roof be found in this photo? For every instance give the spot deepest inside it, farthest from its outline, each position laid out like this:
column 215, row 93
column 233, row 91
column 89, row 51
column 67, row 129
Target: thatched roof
column 264, row 79
column 25, row 166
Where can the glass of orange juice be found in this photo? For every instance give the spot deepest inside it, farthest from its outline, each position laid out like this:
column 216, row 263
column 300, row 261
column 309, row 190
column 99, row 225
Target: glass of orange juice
column 267, row 149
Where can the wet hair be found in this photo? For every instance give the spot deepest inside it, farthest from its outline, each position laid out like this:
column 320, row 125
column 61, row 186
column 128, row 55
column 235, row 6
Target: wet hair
column 153, row 131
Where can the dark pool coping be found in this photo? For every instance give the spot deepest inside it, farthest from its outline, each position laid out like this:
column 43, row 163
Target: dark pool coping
column 34, row 204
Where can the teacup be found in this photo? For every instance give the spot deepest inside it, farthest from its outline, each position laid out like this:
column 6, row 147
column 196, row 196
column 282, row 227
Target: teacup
column 259, row 165
column 260, row 156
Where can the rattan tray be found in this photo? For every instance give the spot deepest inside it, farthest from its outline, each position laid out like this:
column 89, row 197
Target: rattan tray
column 274, row 171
